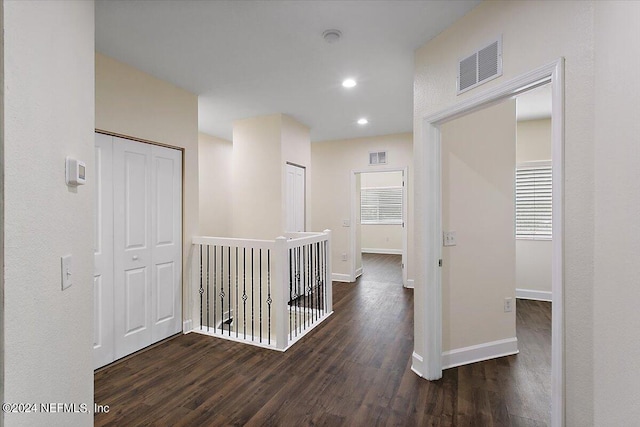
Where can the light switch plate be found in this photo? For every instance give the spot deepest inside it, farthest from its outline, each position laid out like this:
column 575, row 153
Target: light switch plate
column 345, row 223
column 65, row 271
column 449, row 238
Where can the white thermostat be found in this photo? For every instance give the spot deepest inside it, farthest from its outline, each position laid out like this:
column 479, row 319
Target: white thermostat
column 76, row 172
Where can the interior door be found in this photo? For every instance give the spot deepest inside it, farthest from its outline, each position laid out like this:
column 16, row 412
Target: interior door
column 103, row 328
column 132, row 246
column 166, row 239
column 295, row 198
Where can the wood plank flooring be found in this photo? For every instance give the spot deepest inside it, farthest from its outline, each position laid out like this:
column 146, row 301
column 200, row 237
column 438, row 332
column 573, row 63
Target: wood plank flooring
column 353, row 370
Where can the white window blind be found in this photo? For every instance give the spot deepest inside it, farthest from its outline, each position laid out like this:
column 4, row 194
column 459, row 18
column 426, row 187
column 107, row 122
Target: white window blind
column 533, row 201
column 381, row 205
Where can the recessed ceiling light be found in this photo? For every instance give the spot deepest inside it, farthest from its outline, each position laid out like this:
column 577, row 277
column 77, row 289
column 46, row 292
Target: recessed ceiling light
column 331, row 36
column 363, row 121
column 349, row 83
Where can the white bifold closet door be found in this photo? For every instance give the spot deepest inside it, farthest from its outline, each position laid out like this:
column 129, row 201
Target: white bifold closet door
column 141, row 303
column 295, row 198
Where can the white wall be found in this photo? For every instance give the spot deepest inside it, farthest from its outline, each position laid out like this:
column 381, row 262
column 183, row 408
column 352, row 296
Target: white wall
column 616, row 326
column 477, row 203
column 135, row 104
column 534, row 34
column 333, row 163
column 533, row 257
column 296, row 149
column 48, row 115
column 261, row 147
column 214, row 162
column 381, row 238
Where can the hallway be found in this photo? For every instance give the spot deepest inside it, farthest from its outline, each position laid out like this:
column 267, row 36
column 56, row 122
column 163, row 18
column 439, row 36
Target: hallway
column 354, row 370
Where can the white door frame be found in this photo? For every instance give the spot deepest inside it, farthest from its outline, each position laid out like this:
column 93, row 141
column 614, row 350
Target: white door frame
column 352, row 218
column 427, row 357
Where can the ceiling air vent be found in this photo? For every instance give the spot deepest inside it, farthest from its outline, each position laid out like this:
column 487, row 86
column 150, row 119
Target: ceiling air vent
column 378, row 158
column 480, row 67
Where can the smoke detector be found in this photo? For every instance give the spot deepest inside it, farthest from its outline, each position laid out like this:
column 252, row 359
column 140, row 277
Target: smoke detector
column 331, row 36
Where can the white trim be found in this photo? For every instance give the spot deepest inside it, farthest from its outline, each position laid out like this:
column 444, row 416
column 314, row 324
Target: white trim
column 359, row 272
column 430, row 301
column 479, row 352
column 534, row 295
column 410, row 284
column 381, row 251
column 187, row 326
column 338, row 277
column 417, row 361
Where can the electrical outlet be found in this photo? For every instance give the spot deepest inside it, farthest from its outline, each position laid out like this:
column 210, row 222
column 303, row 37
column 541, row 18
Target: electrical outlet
column 449, row 238
column 343, row 256
column 508, row 305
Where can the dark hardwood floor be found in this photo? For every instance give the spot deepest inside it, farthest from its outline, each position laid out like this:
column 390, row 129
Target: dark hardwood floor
column 352, row 370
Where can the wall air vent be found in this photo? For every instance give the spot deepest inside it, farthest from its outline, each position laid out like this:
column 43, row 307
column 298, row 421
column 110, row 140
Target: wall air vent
column 378, row 158
column 480, row 67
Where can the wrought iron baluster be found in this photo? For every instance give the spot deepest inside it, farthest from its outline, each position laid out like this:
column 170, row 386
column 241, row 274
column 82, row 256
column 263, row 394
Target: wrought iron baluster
column 208, row 285
column 253, row 323
column 269, row 300
column 230, row 319
column 244, row 292
column 215, row 299
column 260, row 268
column 236, row 314
column 290, row 303
column 201, row 290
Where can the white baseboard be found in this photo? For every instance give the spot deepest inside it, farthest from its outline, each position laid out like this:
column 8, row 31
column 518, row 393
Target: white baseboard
column 409, row 284
column 338, row 277
column 416, row 364
column 535, row 295
column 359, row 272
column 480, row 352
column 381, row 251
column 187, row 326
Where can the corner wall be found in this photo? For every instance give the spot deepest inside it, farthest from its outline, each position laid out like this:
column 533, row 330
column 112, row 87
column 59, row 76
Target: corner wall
column 479, row 272
column 48, row 115
column 534, row 34
column 214, row 162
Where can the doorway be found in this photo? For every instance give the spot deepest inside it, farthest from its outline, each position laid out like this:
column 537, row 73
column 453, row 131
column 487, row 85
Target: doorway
column 427, row 357
column 295, row 198
column 138, row 246
column 378, row 218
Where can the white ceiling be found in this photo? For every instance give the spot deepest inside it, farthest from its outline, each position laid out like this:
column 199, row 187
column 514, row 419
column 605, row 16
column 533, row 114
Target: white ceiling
column 535, row 104
column 251, row 58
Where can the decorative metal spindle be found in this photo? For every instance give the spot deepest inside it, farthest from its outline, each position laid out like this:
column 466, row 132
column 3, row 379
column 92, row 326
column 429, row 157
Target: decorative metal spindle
column 269, row 300
column 208, row 285
column 313, row 279
column 260, row 273
column 201, row 290
column 244, row 292
column 235, row 314
column 297, row 285
column 305, row 260
column 222, row 288
column 214, row 287
column 311, row 283
column 229, row 320
column 253, row 324
column 290, row 291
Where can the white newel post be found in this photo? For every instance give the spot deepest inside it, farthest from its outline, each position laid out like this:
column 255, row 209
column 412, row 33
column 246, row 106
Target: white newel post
column 280, row 293
column 329, row 278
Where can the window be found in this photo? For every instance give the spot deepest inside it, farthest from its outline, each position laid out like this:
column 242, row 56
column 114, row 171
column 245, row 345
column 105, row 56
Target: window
column 533, row 200
column 381, row 205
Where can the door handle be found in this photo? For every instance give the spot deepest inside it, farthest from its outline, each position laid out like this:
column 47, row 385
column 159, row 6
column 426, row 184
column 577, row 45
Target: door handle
column 135, row 257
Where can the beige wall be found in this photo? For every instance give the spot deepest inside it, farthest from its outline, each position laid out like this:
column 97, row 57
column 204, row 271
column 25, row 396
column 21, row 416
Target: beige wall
column 381, row 237
column 333, row 163
column 534, row 34
column 214, row 162
column 616, row 326
column 135, row 104
column 477, row 203
column 48, row 114
column 533, row 257
column 296, row 149
column 261, row 148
